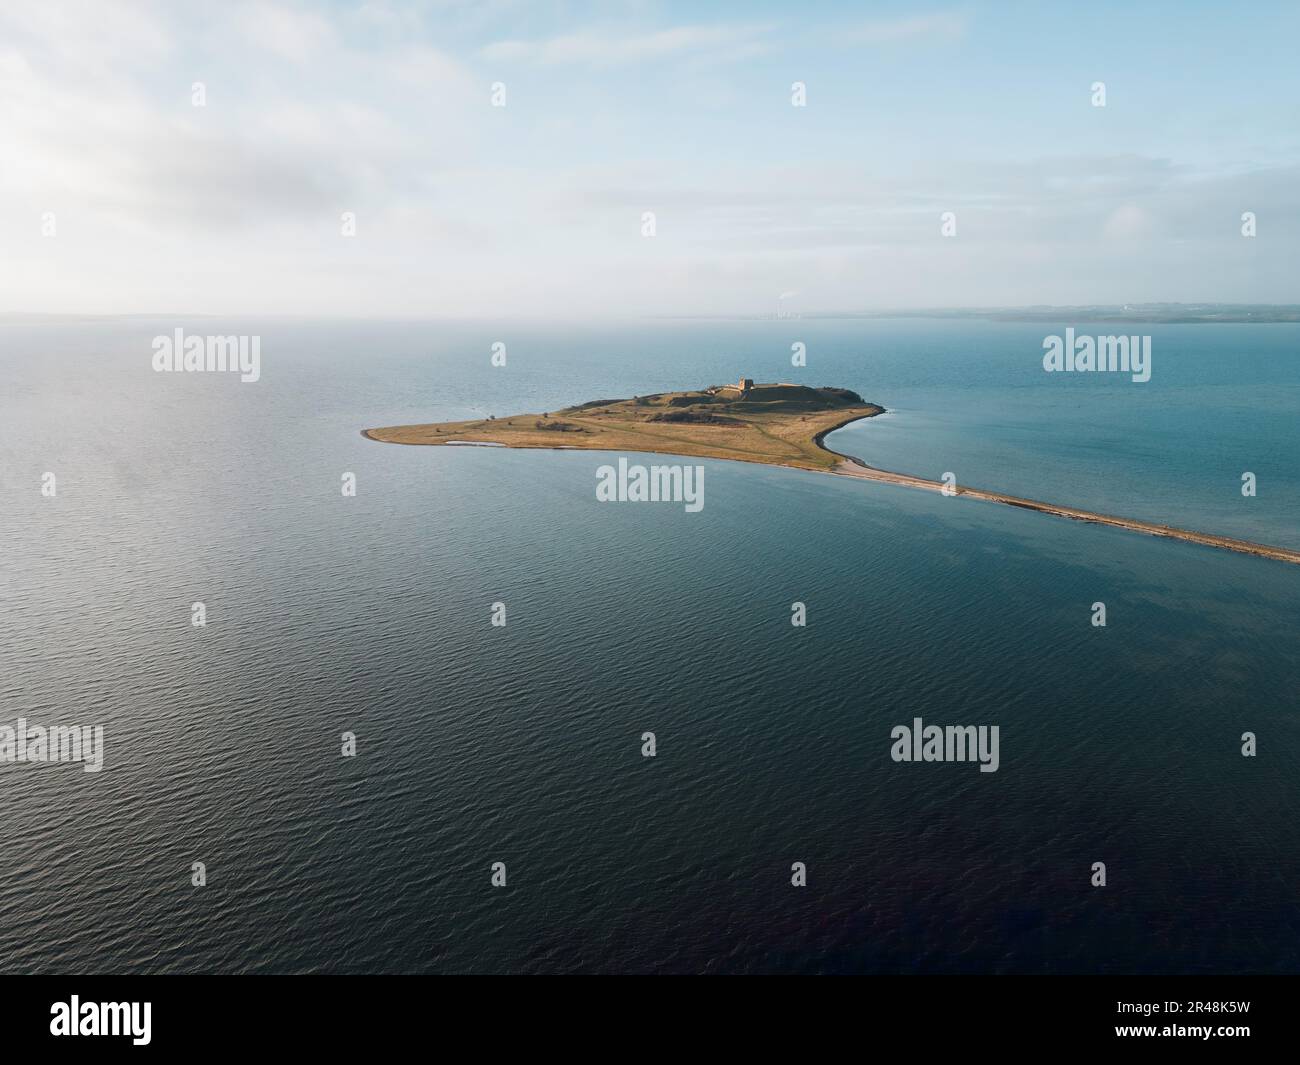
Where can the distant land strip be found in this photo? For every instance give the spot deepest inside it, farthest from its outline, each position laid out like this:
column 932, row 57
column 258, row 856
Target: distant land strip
column 776, row 424
column 1136, row 313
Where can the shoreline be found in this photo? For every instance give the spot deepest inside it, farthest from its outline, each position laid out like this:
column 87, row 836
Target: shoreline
column 852, row 466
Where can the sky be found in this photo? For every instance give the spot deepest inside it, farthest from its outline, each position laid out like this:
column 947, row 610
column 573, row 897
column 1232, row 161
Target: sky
column 119, row 195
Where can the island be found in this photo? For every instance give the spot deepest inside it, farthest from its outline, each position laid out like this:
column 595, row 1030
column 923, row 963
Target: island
column 779, row 425
column 775, row 424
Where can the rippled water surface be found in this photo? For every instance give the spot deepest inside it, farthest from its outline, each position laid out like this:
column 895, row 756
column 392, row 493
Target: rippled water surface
column 522, row 745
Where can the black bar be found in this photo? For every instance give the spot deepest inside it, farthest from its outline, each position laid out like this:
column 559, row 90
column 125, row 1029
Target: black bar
column 339, row 1015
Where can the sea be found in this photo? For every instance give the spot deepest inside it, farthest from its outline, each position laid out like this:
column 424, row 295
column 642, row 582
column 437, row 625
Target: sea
column 515, row 752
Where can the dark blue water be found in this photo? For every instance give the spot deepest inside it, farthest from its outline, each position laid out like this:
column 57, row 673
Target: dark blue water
column 522, row 745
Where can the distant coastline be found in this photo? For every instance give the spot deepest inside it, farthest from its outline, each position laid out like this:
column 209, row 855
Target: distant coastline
column 1136, row 313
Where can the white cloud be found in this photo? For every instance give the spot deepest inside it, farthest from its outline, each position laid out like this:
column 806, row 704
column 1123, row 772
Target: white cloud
column 1127, row 222
column 291, row 33
column 940, row 25
column 120, row 148
column 610, row 49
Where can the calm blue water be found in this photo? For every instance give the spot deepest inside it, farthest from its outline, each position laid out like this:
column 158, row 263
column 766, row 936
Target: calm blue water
column 522, row 745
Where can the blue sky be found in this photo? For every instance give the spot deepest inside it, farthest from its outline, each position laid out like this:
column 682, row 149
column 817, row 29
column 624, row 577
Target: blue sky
column 383, row 109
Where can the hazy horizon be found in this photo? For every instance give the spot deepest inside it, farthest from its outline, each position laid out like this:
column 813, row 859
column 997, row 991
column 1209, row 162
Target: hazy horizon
column 614, row 316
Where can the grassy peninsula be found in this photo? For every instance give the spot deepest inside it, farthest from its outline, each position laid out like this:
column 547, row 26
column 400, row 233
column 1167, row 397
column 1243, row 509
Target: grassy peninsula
column 780, row 425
